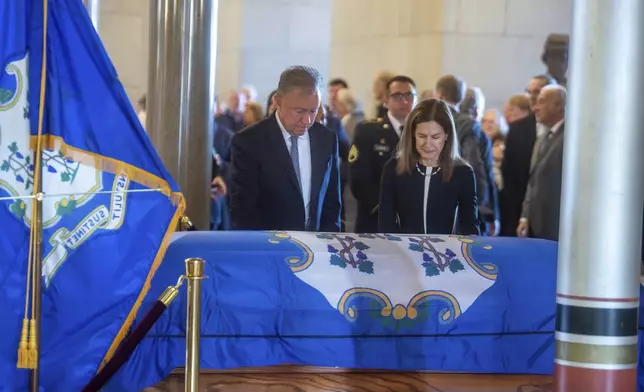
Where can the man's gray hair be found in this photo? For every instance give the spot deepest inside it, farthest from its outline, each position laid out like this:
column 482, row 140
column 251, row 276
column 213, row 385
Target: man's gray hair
column 546, row 80
column 561, row 92
column 300, row 77
column 349, row 100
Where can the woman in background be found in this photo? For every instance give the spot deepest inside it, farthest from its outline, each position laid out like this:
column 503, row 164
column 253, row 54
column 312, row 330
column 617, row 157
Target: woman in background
column 498, row 150
column 379, row 90
column 253, row 113
column 516, row 108
column 427, row 185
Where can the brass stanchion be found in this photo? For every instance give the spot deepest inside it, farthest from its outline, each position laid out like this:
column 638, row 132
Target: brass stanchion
column 194, row 275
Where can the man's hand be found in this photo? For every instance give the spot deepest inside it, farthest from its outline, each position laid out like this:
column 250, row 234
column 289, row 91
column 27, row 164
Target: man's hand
column 218, row 188
column 522, row 228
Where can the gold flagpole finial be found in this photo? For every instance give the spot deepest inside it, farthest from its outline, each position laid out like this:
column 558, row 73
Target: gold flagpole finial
column 186, row 224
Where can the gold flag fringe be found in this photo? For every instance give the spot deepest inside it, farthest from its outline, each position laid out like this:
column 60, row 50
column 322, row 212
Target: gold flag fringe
column 32, row 346
column 116, row 167
column 122, row 333
column 28, row 349
column 105, row 164
column 23, row 354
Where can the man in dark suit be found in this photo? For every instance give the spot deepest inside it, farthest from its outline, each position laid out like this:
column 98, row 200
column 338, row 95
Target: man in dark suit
column 233, row 117
column 327, row 118
column 476, row 149
column 219, row 212
column 515, row 168
column 285, row 168
column 334, row 86
column 374, row 142
column 541, row 205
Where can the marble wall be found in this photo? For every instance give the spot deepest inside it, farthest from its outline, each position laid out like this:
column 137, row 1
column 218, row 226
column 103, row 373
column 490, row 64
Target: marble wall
column 494, row 44
column 123, row 27
column 259, row 38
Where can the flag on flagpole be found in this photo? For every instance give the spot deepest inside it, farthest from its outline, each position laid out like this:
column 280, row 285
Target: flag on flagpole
column 109, row 204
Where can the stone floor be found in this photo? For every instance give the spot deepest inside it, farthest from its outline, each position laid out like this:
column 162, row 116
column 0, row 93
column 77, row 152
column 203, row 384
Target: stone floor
column 291, row 379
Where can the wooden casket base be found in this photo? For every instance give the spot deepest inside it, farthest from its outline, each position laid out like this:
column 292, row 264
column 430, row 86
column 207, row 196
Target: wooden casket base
column 313, row 379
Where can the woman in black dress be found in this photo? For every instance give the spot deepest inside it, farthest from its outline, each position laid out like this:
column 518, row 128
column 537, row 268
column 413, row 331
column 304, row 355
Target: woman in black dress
column 427, row 185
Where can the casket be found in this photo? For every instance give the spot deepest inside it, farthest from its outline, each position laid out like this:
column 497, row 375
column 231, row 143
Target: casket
column 352, row 304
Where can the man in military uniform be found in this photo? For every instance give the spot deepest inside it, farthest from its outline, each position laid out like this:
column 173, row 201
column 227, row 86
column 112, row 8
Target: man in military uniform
column 374, row 143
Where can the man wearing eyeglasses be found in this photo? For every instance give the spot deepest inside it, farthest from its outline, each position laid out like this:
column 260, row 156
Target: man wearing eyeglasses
column 374, row 142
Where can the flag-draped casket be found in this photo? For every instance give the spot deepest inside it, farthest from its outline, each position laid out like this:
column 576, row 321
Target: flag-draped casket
column 363, row 301
column 377, row 301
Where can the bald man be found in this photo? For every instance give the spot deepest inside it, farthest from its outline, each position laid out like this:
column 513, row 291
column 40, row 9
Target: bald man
column 540, row 212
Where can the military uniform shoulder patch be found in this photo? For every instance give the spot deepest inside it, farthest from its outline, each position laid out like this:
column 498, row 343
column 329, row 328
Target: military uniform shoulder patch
column 353, row 154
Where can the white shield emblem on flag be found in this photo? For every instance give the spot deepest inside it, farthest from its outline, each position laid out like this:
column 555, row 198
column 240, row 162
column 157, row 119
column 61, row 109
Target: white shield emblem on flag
column 403, row 274
column 67, row 184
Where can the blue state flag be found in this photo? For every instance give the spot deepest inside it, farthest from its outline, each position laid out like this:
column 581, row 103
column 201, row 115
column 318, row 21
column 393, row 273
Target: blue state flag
column 109, row 206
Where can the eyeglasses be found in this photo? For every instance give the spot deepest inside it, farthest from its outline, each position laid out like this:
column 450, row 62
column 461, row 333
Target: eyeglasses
column 403, row 96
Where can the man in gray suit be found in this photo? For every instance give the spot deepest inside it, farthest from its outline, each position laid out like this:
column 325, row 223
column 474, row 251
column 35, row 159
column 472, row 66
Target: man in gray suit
column 540, row 213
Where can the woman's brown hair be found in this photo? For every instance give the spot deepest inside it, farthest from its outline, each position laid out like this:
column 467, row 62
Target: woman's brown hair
column 256, row 109
column 522, row 101
column 426, row 111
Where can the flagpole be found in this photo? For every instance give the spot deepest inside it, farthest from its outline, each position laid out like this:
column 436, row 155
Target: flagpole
column 37, row 281
column 36, row 223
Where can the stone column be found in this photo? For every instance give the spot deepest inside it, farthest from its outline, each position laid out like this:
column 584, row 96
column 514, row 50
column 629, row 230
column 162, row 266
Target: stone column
column 598, row 278
column 180, row 96
column 93, row 8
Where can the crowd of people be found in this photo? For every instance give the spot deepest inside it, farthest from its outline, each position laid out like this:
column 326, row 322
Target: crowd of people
column 436, row 161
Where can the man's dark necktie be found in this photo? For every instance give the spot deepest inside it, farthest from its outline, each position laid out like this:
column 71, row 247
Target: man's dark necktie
column 545, row 143
column 295, row 159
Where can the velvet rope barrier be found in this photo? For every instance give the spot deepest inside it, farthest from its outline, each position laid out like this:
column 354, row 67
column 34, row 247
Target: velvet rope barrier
column 127, row 347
